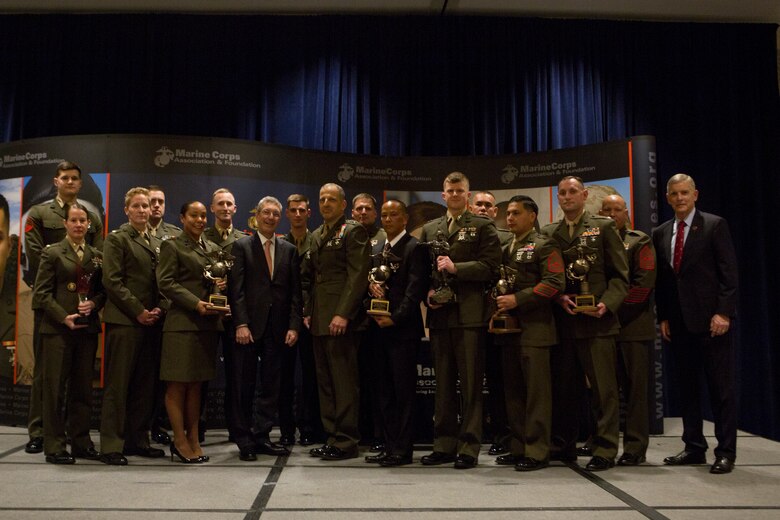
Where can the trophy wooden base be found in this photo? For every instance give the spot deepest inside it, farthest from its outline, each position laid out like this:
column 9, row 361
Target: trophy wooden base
column 584, row 303
column 504, row 324
column 379, row 307
column 81, row 320
column 219, row 303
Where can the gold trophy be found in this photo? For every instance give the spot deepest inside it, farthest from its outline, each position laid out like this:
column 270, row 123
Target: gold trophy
column 577, row 271
column 442, row 293
column 388, row 264
column 502, row 322
column 221, row 263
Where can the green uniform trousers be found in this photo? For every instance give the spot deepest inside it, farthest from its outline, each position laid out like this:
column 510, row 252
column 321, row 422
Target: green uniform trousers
column 336, row 361
column 633, row 376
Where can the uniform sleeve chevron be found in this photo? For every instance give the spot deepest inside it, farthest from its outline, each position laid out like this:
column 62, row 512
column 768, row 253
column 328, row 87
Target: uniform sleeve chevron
column 545, row 291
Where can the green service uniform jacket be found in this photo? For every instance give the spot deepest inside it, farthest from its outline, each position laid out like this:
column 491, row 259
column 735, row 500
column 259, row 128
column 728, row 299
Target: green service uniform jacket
column 539, row 280
column 225, row 244
column 608, row 274
column 336, row 275
column 637, row 319
column 45, row 225
column 476, row 252
column 166, row 231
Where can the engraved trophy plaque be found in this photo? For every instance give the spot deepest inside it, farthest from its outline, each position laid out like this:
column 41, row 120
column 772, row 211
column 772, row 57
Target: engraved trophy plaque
column 221, row 263
column 443, row 293
column 503, row 322
column 577, row 271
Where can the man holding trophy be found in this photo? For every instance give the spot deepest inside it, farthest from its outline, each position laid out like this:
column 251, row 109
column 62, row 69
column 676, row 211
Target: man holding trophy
column 586, row 315
column 467, row 254
column 536, row 268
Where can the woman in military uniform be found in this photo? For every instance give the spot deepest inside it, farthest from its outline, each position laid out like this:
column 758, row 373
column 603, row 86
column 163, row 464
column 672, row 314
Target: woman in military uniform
column 191, row 329
column 69, row 292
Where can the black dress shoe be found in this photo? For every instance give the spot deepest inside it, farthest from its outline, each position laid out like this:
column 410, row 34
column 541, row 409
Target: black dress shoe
column 497, row 449
column 334, row 453
column 584, row 451
column 287, row 440
column 630, row 459
column 508, row 459
column 89, row 453
column 465, row 461
column 271, row 448
column 305, row 440
column 247, row 455
column 62, row 457
column 147, row 452
column 34, row 445
column 377, row 447
column 395, row 460
column 161, row 437
column 114, row 459
column 686, row 457
column 530, row 464
column 436, row 458
column 563, row 457
column 319, row 451
column 376, row 459
column 599, row 464
column 722, row 465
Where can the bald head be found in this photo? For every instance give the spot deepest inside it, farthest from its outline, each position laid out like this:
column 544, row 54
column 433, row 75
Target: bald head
column 614, row 207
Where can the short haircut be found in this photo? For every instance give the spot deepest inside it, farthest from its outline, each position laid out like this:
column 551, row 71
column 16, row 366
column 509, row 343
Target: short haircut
column 340, row 190
column 528, row 203
column 76, row 205
column 64, row 166
column 297, row 197
column 403, row 206
column 573, row 177
column 132, row 192
column 186, row 206
column 456, row 177
column 363, row 196
column 680, row 177
column 483, row 192
column 4, row 209
column 155, row 187
column 268, row 200
column 218, row 191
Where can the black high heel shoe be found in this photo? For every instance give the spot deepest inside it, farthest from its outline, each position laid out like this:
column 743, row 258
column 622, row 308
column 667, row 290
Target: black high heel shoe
column 202, row 458
column 182, row 458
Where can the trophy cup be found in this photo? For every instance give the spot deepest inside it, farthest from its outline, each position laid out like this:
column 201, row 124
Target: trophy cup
column 220, row 265
column 577, row 271
column 502, row 322
column 443, row 293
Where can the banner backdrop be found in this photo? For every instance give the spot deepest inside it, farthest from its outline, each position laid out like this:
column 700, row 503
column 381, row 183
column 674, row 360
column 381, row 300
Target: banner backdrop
column 191, row 168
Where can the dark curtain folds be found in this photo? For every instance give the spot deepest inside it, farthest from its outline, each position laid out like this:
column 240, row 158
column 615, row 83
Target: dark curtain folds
column 438, row 86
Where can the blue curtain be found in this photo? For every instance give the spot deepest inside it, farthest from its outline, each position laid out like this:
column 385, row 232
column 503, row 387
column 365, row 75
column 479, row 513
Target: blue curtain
column 438, row 86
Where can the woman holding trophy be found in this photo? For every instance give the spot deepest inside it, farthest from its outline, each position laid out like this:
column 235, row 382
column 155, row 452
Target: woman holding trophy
column 69, row 292
column 186, row 277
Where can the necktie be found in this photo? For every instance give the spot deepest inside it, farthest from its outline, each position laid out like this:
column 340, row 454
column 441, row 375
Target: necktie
column 80, row 252
column 450, row 224
column 224, row 235
column 146, row 238
column 387, row 247
column 267, row 249
column 679, row 242
column 571, row 228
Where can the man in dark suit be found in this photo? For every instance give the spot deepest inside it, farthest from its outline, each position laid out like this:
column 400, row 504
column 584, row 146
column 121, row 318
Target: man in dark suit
column 697, row 301
column 265, row 299
column 45, row 226
column 587, row 337
column 458, row 329
column 222, row 233
column 336, row 277
column 395, row 338
column 303, row 411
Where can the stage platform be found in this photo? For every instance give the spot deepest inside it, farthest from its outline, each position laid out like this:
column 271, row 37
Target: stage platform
column 302, row 487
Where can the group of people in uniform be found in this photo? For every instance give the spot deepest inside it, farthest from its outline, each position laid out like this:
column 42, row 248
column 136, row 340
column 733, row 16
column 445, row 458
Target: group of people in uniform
column 545, row 312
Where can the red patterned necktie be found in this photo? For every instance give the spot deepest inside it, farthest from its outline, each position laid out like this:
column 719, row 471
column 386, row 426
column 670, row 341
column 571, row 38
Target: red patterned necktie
column 679, row 242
